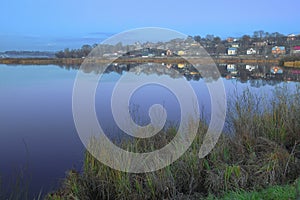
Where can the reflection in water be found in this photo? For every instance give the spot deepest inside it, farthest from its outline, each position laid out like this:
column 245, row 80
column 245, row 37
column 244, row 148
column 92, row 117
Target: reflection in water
column 267, row 74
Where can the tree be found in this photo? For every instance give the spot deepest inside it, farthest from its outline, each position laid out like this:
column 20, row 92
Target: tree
column 217, row 40
column 60, row 54
column 221, row 49
column 197, row 38
column 85, row 50
column 209, row 37
column 246, row 39
column 261, row 34
column 118, row 46
column 255, row 34
column 67, row 53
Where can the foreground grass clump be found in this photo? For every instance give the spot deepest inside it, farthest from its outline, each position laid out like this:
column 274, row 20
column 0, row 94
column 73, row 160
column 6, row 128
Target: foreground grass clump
column 262, row 150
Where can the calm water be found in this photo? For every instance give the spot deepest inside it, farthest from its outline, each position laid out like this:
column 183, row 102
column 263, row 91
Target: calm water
column 37, row 133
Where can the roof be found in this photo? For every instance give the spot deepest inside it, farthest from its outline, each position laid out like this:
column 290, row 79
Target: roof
column 296, row 48
column 232, row 49
column 282, row 48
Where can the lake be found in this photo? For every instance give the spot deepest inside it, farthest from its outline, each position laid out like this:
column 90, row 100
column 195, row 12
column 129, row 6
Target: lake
column 38, row 139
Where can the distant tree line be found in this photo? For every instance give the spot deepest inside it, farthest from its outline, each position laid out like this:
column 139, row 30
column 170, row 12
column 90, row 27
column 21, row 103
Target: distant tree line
column 75, row 53
column 30, row 53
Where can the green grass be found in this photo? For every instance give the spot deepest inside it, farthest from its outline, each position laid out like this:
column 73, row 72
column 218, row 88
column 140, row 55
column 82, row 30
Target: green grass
column 287, row 192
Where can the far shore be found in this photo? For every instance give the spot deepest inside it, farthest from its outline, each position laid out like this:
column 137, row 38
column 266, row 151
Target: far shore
column 79, row 61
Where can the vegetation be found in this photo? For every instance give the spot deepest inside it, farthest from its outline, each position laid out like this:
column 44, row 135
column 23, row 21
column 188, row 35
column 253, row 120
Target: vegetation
column 75, row 53
column 261, row 151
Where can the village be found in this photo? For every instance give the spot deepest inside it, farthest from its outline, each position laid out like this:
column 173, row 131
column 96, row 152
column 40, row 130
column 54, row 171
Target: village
column 259, row 45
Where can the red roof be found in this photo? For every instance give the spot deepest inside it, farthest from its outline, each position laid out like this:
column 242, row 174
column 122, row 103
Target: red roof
column 296, row 48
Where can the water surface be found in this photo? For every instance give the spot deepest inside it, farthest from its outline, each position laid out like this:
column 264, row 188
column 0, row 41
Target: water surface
column 37, row 133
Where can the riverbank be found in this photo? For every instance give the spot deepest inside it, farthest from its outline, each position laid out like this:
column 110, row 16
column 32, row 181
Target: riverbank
column 78, row 61
column 41, row 61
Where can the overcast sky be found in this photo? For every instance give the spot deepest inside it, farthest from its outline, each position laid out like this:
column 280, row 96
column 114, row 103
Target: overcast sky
column 56, row 24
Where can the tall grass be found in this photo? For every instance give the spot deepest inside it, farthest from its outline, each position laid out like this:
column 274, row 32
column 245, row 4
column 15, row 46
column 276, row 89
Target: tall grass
column 262, row 150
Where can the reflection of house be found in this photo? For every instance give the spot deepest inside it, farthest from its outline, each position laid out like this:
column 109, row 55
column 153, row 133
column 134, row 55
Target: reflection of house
column 276, row 70
column 251, row 51
column 232, row 51
column 232, row 69
column 250, row 67
column 180, row 65
column 296, row 49
column 278, row 50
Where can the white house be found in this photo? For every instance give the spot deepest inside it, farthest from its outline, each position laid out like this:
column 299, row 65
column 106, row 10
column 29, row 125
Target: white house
column 250, row 67
column 231, row 68
column 251, row 51
column 235, row 45
column 296, row 50
column 232, row 51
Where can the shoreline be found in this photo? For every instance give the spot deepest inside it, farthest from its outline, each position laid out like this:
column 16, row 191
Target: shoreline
column 171, row 60
column 79, row 61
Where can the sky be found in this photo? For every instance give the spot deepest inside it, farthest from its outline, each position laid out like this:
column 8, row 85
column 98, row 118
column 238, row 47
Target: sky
column 56, row 24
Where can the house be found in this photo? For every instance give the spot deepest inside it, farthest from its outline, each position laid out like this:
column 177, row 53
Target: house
column 169, row 52
column 278, row 50
column 195, row 44
column 229, row 39
column 251, row 51
column 181, row 53
column 232, row 51
column 260, row 44
column 296, row 50
column 291, row 37
column 235, row 45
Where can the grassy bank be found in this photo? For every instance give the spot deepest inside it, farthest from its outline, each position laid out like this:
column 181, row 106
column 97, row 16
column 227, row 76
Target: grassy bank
column 262, row 151
column 171, row 60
